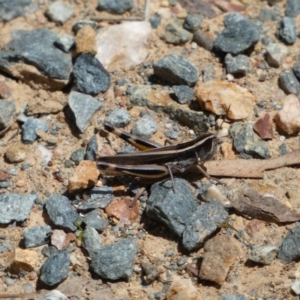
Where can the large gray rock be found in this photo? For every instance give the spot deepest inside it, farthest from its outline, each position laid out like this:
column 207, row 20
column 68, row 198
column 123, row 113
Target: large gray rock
column 15, row 207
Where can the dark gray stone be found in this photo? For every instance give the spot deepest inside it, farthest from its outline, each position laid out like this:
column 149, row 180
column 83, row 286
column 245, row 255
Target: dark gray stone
column 289, row 83
column 81, row 23
column 36, row 236
column 192, row 22
column 267, row 15
column 118, row 118
column 59, row 12
column 247, row 142
column 49, row 251
column 68, row 163
column 117, row 7
column 61, row 212
column 100, row 198
column 95, row 220
column 283, row 149
column 90, row 76
column 289, row 249
column 233, row 297
column 7, row 113
column 35, row 47
column 202, row 224
column 181, row 261
column 174, row 210
column 287, row 31
column 83, row 108
column 237, row 37
column 176, row 70
column 296, row 69
column 65, row 42
column 30, row 127
column 145, row 127
column 5, row 183
column 77, row 156
column 11, row 9
column 175, row 34
column 239, row 64
column 263, row 254
column 292, row 8
column 183, row 94
column 114, row 261
column 91, row 240
column 208, row 72
column 155, row 20
column 15, row 207
column 91, row 149
column 55, row 269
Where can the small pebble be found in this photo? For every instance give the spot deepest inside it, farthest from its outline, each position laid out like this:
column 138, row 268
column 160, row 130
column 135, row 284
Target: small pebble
column 145, row 127
column 175, row 34
column 59, row 12
column 16, row 153
column 296, row 287
column 89, row 75
column 276, row 53
column 288, row 118
column 287, row 31
column 192, row 22
column 239, row 64
column 176, row 70
column 117, row 7
column 263, row 127
column 155, row 20
column 77, row 156
column 65, row 42
column 119, row 118
column 183, row 93
column 7, row 113
column 289, row 82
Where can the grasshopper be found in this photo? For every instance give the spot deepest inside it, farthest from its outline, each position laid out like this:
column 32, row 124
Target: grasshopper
column 156, row 161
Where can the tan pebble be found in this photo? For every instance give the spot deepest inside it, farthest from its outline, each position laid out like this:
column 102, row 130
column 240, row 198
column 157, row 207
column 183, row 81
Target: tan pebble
column 86, row 41
column 5, row 90
column 226, row 149
column 213, row 192
column 288, row 118
column 164, row 3
column 32, row 276
column 22, row 260
column 20, row 183
column 16, row 153
column 289, row 60
column 221, row 97
column 181, row 289
column 85, row 175
column 44, row 107
column 182, row 14
column 221, row 253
